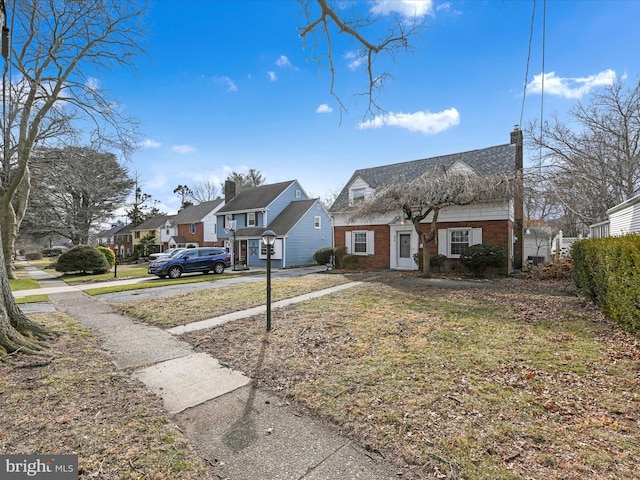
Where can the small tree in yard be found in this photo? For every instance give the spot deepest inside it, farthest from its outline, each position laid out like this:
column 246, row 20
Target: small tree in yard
column 431, row 192
column 478, row 258
column 83, row 258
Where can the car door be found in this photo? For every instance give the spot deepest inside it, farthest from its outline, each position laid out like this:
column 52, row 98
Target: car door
column 192, row 261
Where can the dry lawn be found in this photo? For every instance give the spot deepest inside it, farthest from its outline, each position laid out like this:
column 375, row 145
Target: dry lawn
column 77, row 402
column 498, row 380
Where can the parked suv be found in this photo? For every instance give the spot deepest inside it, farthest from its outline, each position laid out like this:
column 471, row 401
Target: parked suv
column 204, row 259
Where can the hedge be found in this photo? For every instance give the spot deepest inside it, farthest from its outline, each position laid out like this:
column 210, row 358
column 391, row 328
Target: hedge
column 607, row 271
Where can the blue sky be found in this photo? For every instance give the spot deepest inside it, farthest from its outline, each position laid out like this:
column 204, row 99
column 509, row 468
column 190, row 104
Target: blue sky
column 227, row 86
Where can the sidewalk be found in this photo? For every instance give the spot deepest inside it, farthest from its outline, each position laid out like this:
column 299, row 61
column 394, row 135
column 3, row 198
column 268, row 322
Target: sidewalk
column 250, row 434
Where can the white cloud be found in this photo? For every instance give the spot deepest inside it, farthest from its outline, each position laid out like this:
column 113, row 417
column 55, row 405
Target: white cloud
column 406, row 8
column 149, row 143
column 272, row 76
column 354, row 59
column 93, row 83
column 283, row 61
column 423, row 122
column 570, row 87
column 183, row 149
column 231, row 87
column 324, row 108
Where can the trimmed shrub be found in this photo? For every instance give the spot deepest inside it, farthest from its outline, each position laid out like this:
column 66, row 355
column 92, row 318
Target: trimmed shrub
column 436, row 262
column 607, row 271
column 33, row 256
column 339, row 253
column 83, row 258
column 478, row 258
column 109, row 255
column 350, row 261
column 323, row 255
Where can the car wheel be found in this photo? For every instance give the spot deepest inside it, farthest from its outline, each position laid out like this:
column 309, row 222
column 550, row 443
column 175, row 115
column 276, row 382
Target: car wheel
column 175, row 272
column 218, row 268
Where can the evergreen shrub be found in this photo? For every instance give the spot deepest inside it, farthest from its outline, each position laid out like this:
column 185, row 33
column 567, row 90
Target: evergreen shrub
column 83, row 258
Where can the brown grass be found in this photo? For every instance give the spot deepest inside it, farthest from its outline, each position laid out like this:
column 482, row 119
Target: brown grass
column 504, row 380
column 77, row 402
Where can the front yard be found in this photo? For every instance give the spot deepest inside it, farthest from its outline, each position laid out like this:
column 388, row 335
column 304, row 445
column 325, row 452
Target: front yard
column 508, row 379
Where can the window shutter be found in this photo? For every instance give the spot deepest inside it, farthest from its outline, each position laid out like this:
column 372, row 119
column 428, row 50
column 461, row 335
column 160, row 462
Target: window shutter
column 476, row 236
column 370, row 246
column 443, row 241
column 347, row 241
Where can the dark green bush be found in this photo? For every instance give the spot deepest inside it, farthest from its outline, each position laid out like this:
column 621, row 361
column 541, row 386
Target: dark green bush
column 33, row 256
column 83, row 258
column 52, row 252
column 109, row 255
column 478, row 258
column 607, row 271
column 323, row 255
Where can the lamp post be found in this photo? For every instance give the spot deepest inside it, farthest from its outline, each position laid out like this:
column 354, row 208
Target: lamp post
column 269, row 238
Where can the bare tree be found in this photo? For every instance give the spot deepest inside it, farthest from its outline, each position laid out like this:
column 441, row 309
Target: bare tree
column 204, row 191
column 431, row 192
column 327, row 20
column 54, row 46
column 592, row 163
column 247, row 180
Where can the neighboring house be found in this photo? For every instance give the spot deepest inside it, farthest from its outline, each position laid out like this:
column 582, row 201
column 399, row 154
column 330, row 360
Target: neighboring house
column 621, row 220
column 195, row 225
column 118, row 239
column 302, row 224
column 537, row 244
column 123, row 242
column 152, row 227
column 392, row 242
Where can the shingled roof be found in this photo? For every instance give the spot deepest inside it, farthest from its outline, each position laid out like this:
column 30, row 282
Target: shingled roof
column 153, row 223
column 195, row 213
column 255, row 198
column 284, row 222
column 495, row 160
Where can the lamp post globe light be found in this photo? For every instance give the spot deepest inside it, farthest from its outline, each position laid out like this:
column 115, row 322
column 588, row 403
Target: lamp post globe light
column 268, row 238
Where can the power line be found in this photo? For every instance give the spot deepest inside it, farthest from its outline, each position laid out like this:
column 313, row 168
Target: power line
column 526, row 75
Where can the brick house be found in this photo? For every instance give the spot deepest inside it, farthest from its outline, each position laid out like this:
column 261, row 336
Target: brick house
column 392, row 242
column 195, row 225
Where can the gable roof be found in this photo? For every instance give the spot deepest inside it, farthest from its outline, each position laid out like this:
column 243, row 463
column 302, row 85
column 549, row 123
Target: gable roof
column 256, row 198
column 495, row 160
column 195, row 213
column 153, row 223
column 284, row 222
column 112, row 231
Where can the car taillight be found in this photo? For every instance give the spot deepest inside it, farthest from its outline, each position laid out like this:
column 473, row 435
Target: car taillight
column 228, row 257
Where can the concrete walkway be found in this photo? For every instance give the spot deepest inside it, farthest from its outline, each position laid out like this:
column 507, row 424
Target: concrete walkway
column 250, row 434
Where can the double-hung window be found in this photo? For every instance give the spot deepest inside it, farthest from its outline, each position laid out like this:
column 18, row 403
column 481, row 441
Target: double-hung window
column 193, row 228
column 359, row 242
column 459, row 240
column 317, row 222
column 251, row 219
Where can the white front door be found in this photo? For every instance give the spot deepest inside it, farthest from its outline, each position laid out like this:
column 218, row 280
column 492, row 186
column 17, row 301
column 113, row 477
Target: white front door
column 404, row 259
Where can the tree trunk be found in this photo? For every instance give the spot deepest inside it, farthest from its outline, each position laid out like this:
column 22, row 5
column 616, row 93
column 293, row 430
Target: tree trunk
column 18, row 333
column 426, row 257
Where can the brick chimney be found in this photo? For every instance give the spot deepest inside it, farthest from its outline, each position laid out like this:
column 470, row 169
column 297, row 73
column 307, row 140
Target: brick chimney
column 229, row 190
column 518, row 199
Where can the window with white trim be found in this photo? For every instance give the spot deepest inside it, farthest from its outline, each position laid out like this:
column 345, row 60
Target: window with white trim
column 317, row 222
column 358, row 195
column 359, row 242
column 251, row 219
column 453, row 241
column 459, row 240
column 193, row 228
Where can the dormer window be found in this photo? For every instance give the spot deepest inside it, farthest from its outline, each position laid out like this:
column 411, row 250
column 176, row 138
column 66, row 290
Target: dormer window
column 358, row 195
